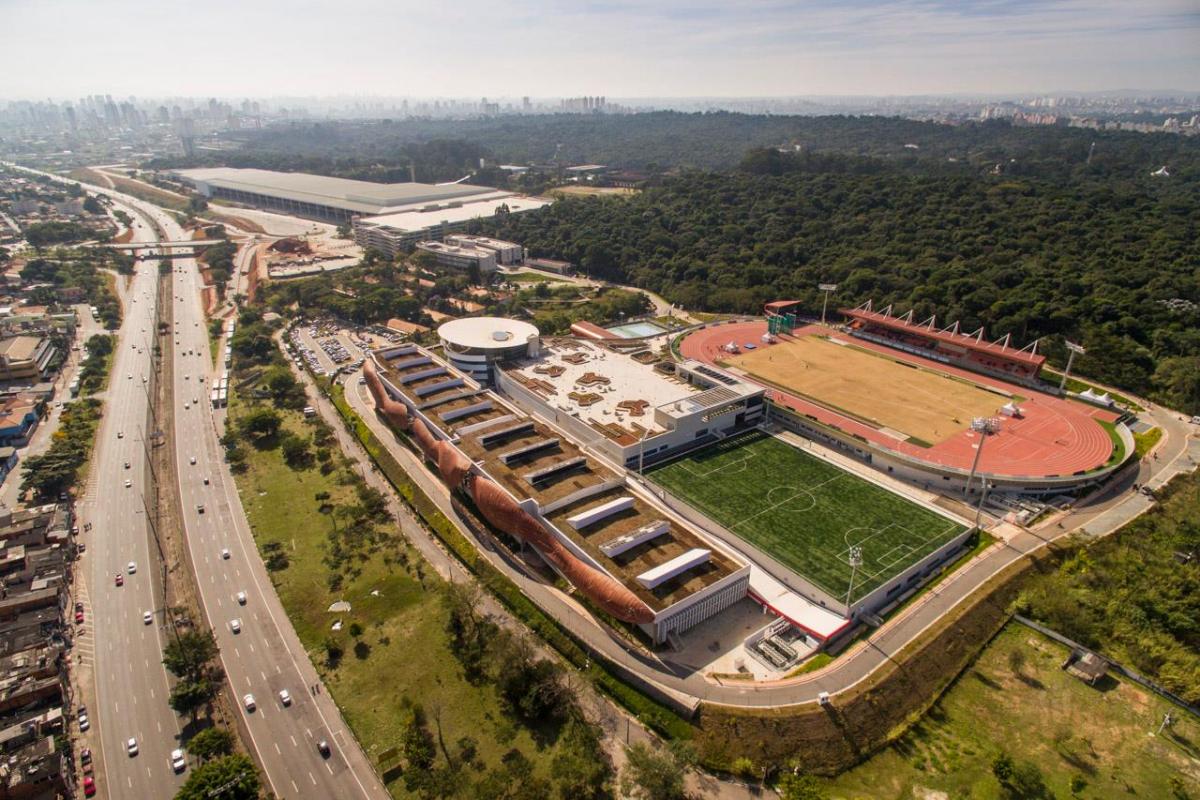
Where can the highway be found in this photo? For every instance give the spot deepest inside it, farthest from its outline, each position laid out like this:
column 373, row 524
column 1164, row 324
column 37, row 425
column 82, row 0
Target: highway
column 130, row 680
column 266, row 656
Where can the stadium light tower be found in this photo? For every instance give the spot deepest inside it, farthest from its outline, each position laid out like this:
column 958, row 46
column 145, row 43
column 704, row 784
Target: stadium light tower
column 985, row 427
column 826, row 288
column 856, row 560
column 1072, row 350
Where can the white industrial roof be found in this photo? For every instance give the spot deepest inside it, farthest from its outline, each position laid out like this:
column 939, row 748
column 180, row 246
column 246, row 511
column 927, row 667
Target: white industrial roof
column 361, row 196
column 414, row 219
column 487, row 333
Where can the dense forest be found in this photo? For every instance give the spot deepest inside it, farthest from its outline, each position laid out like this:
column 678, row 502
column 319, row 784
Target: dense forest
column 1135, row 596
column 381, row 150
column 1111, row 262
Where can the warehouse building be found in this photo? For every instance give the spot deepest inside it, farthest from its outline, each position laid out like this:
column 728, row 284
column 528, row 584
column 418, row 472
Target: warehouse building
column 400, row 229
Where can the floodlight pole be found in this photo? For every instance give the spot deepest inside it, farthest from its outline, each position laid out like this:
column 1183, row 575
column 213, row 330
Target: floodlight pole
column 826, row 288
column 1072, row 350
column 855, row 563
column 984, row 426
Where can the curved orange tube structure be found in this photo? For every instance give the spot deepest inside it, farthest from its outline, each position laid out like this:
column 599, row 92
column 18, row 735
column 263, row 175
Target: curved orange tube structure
column 503, row 512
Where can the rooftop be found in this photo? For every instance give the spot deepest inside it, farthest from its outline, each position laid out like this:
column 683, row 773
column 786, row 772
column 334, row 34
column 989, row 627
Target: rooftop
column 361, row 196
column 483, row 205
column 486, row 333
column 606, row 388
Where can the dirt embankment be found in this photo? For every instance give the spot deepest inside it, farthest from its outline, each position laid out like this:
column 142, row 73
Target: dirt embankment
column 831, row 739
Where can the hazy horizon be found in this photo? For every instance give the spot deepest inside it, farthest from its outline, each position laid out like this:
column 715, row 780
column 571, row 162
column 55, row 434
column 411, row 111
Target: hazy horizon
column 619, row 49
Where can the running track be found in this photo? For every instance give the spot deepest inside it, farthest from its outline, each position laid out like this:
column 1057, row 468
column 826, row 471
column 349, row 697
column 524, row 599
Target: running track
column 1054, row 436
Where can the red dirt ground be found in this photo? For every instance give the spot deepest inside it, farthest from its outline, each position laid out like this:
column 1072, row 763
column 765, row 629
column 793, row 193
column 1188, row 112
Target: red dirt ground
column 1054, row 436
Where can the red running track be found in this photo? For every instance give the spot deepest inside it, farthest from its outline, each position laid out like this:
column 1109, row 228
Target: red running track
column 1053, row 437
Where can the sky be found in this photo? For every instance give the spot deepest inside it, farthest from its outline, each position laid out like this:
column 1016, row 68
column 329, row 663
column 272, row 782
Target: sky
column 618, row 48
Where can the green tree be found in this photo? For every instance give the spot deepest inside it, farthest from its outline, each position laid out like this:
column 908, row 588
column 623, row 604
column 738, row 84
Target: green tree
column 261, row 423
column 793, row 786
column 189, row 655
column 295, row 450
column 653, row 774
column 188, row 697
column 231, row 777
column 211, row 743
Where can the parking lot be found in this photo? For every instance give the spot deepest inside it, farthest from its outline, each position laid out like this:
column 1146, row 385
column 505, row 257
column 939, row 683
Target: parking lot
column 326, row 346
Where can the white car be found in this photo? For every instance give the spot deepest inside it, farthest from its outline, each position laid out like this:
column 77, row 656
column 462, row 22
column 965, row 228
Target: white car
column 148, row 617
column 241, row 598
column 195, row 401
column 248, row 702
column 128, row 483
column 131, row 376
column 131, row 747
column 285, row 697
column 186, row 406
column 235, row 625
column 120, row 434
column 178, row 762
column 225, row 553
column 192, row 460
column 131, row 567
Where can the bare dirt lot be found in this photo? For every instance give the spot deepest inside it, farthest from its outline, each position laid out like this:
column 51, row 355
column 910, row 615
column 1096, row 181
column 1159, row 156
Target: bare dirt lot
column 885, row 392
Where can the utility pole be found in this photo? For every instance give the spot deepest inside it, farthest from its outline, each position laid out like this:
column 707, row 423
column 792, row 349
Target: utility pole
column 826, row 288
column 1072, row 350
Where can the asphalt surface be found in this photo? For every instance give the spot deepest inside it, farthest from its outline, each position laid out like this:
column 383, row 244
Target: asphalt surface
column 130, row 681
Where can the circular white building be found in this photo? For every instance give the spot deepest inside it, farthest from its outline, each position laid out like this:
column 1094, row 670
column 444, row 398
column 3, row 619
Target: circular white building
column 475, row 344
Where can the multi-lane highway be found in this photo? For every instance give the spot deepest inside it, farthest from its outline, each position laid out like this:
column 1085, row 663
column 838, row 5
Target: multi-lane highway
column 264, row 656
column 130, row 681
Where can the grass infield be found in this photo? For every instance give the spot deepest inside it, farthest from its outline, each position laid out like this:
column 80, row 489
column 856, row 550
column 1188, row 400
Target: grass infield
column 806, row 513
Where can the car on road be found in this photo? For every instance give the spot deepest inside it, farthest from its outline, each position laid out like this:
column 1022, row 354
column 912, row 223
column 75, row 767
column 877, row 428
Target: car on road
column 85, row 756
column 186, row 406
column 195, row 401
column 206, row 481
column 248, row 702
column 241, row 598
column 128, row 483
column 225, row 553
column 89, row 786
column 131, row 567
column 120, row 434
column 235, row 625
column 285, row 697
column 323, row 749
column 79, row 616
column 200, row 508
column 148, row 617
column 120, row 579
column 178, row 762
column 126, row 465
column 192, row 459
column 131, row 376
column 131, row 747
column 84, row 722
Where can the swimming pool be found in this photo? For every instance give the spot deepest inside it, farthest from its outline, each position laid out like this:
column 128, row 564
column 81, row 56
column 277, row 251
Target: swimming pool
column 636, row 330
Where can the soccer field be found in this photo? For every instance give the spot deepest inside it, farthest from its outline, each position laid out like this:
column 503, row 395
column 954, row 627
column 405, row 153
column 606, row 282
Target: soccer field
column 806, row 513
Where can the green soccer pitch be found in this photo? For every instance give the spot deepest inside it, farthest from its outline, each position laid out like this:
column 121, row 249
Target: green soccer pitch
column 806, row 513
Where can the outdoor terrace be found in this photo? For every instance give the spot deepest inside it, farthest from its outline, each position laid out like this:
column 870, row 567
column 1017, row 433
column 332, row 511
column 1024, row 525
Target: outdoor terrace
column 638, row 520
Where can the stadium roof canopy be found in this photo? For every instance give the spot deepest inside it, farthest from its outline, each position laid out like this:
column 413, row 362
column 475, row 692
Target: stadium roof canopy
column 361, row 197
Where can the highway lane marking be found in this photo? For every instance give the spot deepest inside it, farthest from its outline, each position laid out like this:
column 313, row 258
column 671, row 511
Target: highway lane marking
column 310, row 777
column 277, row 750
column 328, row 767
column 264, row 675
column 294, row 742
column 295, row 788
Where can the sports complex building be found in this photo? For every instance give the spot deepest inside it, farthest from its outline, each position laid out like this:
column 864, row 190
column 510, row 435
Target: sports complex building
column 910, row 399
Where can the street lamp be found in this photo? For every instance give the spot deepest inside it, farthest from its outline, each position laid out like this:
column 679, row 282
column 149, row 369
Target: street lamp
column 826, row 288
column 856, row 560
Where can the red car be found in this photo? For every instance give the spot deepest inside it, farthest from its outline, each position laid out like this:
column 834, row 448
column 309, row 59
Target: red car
column 89, row 786
column 120, row 579
column 78, row 617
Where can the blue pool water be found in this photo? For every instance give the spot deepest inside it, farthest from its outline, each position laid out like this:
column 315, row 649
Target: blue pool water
column 636, row 330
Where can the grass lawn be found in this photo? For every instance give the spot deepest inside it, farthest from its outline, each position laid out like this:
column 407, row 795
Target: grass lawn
column 404, row 649
column 806, row 512
column 1144, row 442
column 1038, row 714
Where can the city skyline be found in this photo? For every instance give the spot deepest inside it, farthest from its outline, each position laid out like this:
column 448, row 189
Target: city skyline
column 550, row 49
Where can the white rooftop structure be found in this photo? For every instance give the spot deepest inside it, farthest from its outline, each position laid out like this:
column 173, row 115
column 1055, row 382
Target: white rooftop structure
column 676, row 566
column 486, row 333
column 480, row 205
